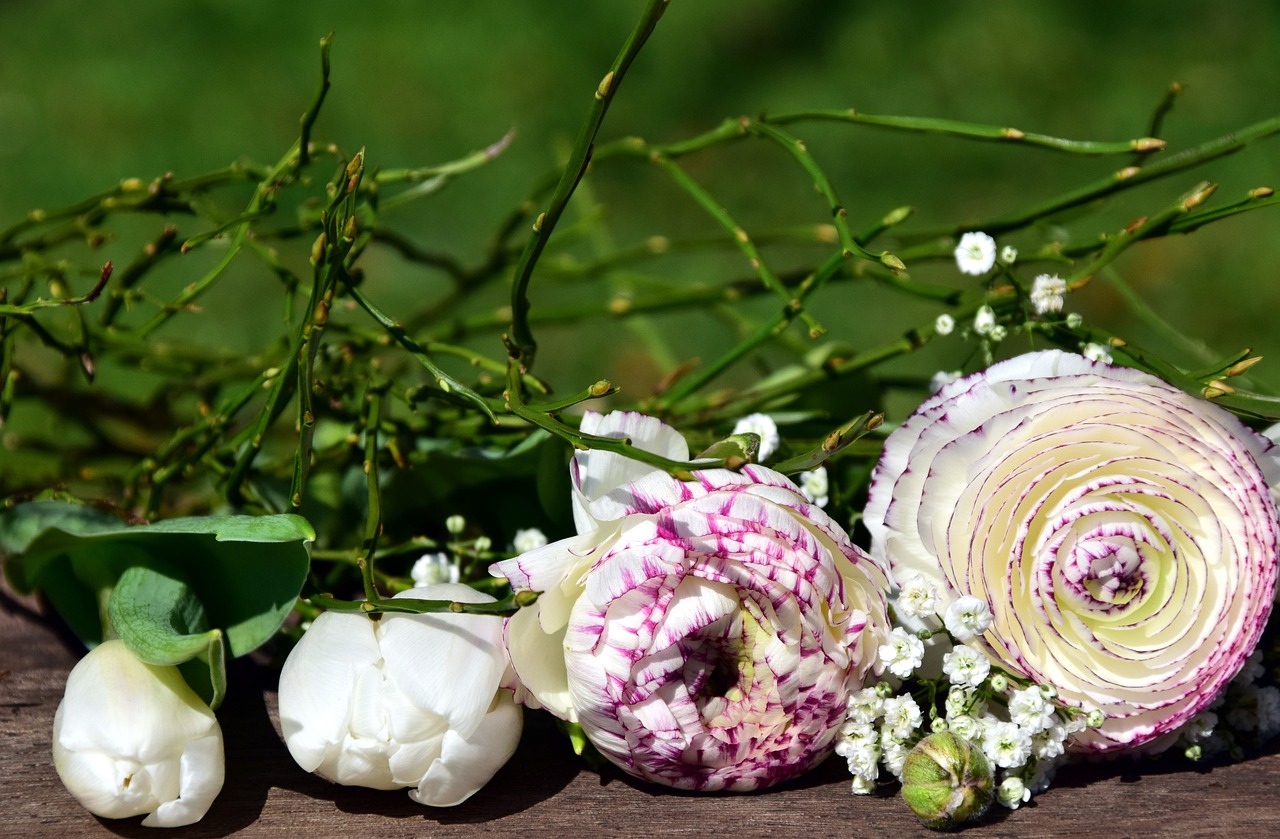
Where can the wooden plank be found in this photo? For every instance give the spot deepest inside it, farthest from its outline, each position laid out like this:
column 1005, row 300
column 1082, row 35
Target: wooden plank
column 544, row 791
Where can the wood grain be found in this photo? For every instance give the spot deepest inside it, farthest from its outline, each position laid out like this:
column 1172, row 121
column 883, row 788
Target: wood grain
column 544, row 791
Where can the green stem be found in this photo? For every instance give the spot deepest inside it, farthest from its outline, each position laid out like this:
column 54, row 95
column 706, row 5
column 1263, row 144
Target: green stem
column 740, row 237
column 523, row 342
column 970, row 130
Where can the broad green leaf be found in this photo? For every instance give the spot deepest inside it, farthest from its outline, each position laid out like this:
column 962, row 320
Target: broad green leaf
column 162, row 622
column 245, row 570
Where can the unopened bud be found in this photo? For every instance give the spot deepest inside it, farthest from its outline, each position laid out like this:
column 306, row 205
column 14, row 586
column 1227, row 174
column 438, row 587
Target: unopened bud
column 455, row 524
column 947, row 781
column 1095, row 718
column 999, row 683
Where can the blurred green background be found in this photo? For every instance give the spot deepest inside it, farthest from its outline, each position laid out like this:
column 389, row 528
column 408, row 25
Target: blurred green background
column 93, row 93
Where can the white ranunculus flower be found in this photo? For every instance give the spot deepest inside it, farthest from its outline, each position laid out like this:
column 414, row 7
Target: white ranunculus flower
column 132, row 738
column 404, row 701
column 705, row 634
column 1122, row 533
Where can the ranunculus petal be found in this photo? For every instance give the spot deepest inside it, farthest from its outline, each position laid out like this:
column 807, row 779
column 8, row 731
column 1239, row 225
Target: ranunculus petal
column 596, row 473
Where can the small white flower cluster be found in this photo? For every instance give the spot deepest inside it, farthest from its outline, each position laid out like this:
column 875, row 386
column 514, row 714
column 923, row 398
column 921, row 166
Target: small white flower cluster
column 1246, row 714
column 1020, row 729
column 976, row 254
column 879, row 729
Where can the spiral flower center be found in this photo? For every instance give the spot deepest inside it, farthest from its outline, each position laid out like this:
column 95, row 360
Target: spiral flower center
column 1106, row 555
column 1110, row 570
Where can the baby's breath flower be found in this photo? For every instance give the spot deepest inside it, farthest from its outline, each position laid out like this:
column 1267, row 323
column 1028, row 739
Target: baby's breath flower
column 984, row 320
column 967, row 617
column 529, row 539
column 1242, row 709
column 864, row 707
column 1028, row 709
column 1049, row 744
column 1045, row 770
column 893, row 753
column 1096, row 352
column 860, row 747
column 1046, row 293
column 1251, row 670
column 863, row 786
column 965, row 726
column 1200, row 727
column 966, row 666
column 941, row 379
column 944, row 324
column 902, row 654
column 901, row 717
column 1008, row 255
column 976, row 253
column 815, row 486
column 957, row 702
column 763, row 426
column 998, row 333
column 1006, row 744
column 917, row 599
column 434, row 568
column 999, row 683
column 1012, row 792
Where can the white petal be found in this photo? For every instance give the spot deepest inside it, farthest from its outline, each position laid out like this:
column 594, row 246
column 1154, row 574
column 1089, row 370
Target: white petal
column 318, row 683
column 596, row 473
column 447, row 663
column 202, row 769
column 538, row 659
column 467, row 763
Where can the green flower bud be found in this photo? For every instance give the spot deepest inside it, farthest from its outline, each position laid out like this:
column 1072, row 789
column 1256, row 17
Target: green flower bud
column 947, row 780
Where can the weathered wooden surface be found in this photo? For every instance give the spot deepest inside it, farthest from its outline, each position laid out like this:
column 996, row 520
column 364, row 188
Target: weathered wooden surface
column 543, row 791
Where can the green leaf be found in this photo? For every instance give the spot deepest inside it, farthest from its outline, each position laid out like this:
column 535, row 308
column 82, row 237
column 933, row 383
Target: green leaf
column 162, row 622
column 247, row 571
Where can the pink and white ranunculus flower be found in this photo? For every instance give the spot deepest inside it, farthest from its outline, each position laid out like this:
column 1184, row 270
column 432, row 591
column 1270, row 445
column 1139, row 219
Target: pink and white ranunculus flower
column 1122, row 532
column 705, row 634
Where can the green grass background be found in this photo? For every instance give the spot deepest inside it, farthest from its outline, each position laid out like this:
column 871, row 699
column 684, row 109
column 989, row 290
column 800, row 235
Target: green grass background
column 93, row 93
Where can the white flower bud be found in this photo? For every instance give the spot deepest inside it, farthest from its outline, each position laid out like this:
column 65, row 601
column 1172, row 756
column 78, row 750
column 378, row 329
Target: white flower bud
column 944, row 324
column 455, row 524
column 984, row 320
column 528, row 540
column 132, row 738
column 1013, row 792
column 405, row 701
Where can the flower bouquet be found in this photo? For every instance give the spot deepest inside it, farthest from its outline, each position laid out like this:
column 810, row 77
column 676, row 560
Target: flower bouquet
column 1064, row 546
